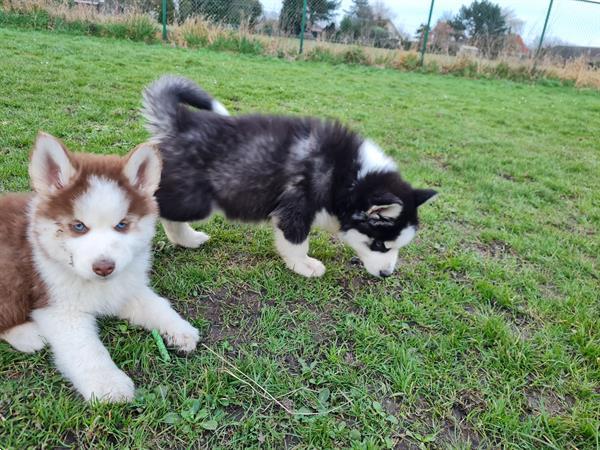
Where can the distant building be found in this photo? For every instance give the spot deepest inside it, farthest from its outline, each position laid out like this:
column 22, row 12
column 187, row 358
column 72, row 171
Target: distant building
column 95, row 3
column 316, row 31
column 389, row 26
column 387, row 35
column 468, row 50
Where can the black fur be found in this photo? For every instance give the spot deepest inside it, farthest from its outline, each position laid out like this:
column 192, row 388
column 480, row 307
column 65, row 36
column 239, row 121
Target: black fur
column 259, row 167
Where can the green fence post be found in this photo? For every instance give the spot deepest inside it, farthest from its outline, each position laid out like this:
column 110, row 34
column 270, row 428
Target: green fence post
column 303, row 25
column 537, row 53
column 426, row 36
column 164, row 20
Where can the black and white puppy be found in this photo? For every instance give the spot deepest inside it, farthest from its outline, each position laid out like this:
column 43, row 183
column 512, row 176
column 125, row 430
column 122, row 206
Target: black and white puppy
column 297, row 172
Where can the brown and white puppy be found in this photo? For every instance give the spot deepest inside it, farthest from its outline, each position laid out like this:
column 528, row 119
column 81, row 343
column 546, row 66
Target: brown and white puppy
column 79, row 248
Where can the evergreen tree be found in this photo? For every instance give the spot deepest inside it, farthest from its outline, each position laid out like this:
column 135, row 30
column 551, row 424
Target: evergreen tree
column 290, row 17
column 483, row 24
column 358, row 21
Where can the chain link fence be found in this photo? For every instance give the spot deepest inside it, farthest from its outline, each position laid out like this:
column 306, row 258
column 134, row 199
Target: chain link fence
column 562, row 28
column 521, row 30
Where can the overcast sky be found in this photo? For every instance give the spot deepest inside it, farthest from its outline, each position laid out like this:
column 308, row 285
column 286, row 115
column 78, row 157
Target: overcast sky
column 571, row 21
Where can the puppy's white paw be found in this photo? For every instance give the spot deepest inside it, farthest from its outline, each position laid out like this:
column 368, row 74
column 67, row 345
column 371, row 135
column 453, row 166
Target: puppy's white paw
column 308, row 267
column 182, row 335
column 25, row 337
column 193, row 239
column 111, row 386
column 181, row 233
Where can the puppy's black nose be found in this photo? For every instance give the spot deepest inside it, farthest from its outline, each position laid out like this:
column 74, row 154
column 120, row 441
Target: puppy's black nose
column 385, row 273
column 104, row 267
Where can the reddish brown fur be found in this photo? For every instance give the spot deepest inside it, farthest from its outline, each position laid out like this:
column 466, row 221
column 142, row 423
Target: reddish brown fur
column 60, row 205
column 21, row 289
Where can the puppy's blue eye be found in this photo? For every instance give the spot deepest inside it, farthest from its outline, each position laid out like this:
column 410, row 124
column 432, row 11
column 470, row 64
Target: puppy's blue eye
column 121, row 226
column 79, row 227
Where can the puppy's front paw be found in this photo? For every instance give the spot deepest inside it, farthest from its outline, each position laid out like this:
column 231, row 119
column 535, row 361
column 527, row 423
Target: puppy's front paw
column 25, row 337
column 110, row 386
column 193, row 239
column 308, row 267
column 182, row 336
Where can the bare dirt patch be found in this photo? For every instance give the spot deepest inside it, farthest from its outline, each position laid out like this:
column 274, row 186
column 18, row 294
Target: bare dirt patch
column 520, row 178
column 230, row 314
column 538, row 400
column 495, row 249
column 456, row 427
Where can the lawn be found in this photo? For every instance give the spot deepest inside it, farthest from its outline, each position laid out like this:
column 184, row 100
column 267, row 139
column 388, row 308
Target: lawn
column 487, row 336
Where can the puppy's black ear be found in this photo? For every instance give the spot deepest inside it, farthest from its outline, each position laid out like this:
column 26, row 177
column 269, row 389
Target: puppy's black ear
column 423, row 195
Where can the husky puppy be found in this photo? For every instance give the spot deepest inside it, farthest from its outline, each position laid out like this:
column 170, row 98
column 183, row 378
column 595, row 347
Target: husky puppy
column 79, row 248
column 298, row 172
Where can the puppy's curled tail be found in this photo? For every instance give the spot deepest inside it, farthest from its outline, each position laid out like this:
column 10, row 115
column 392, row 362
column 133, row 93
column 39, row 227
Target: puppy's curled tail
column 162, row 98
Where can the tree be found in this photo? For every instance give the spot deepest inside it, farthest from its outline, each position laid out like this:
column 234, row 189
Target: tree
column 358, row 20
column 381, row 11
column 420, row 33
column 513, row 23
column 483, row 24
column 380, row 37
column 290, row 17
column 347, row 27
column 360, row 9
column 441, row 37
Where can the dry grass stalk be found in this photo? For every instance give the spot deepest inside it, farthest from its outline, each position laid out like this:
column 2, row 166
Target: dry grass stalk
column 198, row 31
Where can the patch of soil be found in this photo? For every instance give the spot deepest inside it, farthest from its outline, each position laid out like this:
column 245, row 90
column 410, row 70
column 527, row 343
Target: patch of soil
column 470, row 309
column 517, row 178
column 538, row 400
column 323, row 327
column 133, row 116
column 551, row 292
column 71, row 439
column 292, row 364
column 291, row 441
column 421, row 412
column 495, row 249
column 520, row 322
column 391, row 406
column 350, row 360
column 239, row 305
column 522, row 326
column 508, row 176
column 356, row 280
column 235, row 412
column 456, row 428
column 405, row 444
column 441, row 161
column 469, row 400
column 3, row 410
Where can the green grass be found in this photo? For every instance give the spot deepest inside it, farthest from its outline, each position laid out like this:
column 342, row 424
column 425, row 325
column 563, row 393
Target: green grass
column 135, row 27
column 487, row 335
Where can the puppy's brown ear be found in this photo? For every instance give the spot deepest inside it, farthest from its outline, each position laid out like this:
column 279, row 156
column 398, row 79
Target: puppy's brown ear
column 50, row 168
column 143, row 168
